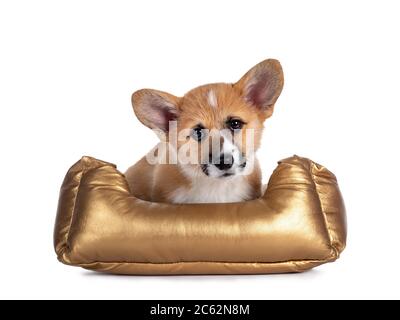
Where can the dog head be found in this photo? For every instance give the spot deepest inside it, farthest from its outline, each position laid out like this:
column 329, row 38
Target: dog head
column 218, row 126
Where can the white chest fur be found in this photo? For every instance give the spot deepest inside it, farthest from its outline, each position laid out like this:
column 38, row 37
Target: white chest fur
column 213, row 190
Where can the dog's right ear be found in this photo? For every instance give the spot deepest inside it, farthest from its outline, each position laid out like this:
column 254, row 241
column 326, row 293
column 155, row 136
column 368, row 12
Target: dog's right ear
column 155, row 108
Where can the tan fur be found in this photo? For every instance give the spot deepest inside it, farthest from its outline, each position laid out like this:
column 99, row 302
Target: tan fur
column 158, row 182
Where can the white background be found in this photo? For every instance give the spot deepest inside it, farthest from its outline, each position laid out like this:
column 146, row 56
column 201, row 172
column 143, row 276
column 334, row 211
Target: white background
column 67, row 71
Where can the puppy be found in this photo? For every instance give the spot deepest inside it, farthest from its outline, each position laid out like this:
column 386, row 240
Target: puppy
column 204, row 154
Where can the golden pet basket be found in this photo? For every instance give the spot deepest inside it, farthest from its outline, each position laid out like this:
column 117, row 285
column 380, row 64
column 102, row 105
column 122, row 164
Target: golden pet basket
column 298, row 223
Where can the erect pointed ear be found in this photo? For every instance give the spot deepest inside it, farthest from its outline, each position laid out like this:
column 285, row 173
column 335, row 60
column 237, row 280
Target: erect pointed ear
column 155, row 108
column 262, row 85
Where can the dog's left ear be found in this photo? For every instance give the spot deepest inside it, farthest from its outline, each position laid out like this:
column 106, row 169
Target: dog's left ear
column 262, row 85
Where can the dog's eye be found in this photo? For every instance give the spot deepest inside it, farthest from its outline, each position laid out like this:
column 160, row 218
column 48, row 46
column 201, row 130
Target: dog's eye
column 198, row 133
column 235, row 124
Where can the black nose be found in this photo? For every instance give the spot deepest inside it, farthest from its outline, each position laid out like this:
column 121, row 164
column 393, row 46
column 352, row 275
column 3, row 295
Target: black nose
column 225, row 163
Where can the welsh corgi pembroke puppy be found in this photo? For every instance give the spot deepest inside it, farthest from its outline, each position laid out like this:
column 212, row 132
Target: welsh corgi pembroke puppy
column 209, row 138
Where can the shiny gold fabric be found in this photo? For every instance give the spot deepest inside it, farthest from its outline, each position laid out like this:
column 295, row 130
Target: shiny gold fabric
column 298, row 224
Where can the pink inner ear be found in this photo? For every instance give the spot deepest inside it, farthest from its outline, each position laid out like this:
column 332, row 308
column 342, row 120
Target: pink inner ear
column 261, row 91
column 161, row 115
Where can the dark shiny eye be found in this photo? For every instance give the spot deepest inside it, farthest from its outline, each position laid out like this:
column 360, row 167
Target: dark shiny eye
column 198, row 133
column 235, row 124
